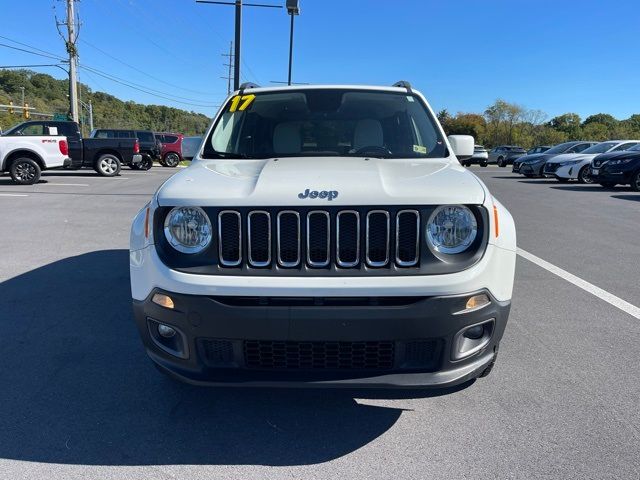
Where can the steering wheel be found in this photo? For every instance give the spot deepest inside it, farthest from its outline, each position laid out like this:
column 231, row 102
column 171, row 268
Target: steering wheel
column 374, row 149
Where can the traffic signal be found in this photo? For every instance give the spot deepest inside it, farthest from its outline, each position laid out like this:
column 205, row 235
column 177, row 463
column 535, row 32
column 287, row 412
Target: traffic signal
column 25, row 111
column 11, row 108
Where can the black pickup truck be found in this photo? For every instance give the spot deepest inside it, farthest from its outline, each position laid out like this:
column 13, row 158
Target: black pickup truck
column 105, row 155
column 150, row 147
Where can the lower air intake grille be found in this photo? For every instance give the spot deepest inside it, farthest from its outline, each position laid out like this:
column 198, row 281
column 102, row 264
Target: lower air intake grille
column 217, row 353
column 286, row 355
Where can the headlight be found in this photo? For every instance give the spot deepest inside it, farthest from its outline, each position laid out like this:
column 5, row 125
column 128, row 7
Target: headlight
column 570, row 162
column 188, row 229
column 451, row 229
column 620, row 162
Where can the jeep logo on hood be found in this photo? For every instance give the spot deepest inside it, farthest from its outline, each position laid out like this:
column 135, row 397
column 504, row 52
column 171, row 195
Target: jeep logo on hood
column 328, row 194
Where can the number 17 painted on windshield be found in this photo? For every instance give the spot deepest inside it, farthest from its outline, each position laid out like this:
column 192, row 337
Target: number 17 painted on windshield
column 237, row 106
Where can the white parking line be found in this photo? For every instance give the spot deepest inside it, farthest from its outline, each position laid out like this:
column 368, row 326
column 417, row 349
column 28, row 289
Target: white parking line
column 67, row 184
column 583, row 284
column 13, row 195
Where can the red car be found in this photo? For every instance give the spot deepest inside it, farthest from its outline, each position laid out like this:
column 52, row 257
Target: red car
column 171, row 154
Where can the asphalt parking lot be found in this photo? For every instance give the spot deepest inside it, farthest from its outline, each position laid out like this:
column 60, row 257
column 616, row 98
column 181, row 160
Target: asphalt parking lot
column 80, row 400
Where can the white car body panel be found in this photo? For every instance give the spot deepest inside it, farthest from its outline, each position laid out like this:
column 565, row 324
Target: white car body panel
column 358, row 181
column 45, row 147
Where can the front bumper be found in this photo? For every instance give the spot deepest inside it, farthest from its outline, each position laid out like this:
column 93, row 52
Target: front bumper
column 217, row 334
column 608, row 174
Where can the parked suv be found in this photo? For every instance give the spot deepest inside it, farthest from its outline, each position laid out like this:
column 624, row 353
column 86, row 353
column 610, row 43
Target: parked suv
column 480, row 157
column 325, row 236
column 505, row 155
column 171, row 148
column 150, row 148
column 617, row 168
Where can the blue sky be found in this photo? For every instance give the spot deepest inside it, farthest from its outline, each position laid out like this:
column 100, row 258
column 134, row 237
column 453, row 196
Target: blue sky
column 558, row 56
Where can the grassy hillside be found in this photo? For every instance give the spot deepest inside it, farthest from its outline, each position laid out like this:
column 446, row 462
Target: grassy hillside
column 49, row 95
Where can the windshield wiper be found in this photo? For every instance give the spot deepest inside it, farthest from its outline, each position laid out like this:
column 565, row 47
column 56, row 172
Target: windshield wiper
column 229, row 155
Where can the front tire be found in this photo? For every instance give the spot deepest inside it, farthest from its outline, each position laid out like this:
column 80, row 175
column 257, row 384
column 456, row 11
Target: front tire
column 108, row 165
column 501, row 162
column 172, row 160
column 484, row 163
column 145, row 164
column 583, row 175
column 25, row 171
column 635, row 182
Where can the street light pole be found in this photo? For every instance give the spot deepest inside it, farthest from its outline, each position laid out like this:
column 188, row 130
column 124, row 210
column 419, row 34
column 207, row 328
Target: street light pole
column 238, row 32
column 293, row 9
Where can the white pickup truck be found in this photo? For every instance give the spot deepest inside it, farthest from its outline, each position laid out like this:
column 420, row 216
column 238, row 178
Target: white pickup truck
column 25, row 157
column 324, row 236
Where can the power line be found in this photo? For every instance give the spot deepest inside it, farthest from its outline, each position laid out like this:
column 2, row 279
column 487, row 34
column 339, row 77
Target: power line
column 158, row 92
column 142, row 71
column 114, row 79
column 30, row 46
column 29, row 51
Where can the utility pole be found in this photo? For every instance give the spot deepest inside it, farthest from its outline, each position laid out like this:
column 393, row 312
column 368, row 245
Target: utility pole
column 230, row 65
column 238, row 32
column 70, row 43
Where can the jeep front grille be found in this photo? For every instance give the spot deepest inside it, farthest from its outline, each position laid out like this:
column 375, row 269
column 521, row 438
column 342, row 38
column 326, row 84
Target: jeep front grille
column 319, row 238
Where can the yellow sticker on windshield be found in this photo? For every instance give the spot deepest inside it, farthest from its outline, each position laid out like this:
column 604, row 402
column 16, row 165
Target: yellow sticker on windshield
column 240, row 103
column 419, row 149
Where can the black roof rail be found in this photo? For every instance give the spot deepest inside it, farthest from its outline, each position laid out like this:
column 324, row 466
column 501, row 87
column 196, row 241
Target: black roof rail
column 247, row 85
column 403, row 84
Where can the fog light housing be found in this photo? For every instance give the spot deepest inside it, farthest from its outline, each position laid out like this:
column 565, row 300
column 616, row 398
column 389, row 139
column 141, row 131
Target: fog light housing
column 163, row 300
column 166, row 331
column 474, row 333
column 472, row 339
column 168, row 338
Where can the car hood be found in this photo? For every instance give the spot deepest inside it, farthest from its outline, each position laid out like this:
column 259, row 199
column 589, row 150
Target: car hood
column 568, row 157
column 531, row 158
column 357, row 181
column 624, row 154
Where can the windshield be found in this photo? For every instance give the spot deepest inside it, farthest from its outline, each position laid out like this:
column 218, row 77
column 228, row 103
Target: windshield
column 325, row 122
column 600, row 147
column 560, row 148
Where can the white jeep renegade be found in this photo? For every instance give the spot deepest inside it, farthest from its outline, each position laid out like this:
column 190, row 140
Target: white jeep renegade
column 324, row 236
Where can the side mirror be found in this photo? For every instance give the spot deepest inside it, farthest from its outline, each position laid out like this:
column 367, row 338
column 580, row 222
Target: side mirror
column 462, row 146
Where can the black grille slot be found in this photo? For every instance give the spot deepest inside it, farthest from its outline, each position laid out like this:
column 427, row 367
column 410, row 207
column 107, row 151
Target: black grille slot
column 348, row 239
column 288, row 355
column 377, row 238
column 318, row 239
column 230, row 238
column 423, row 354
column 217, row 353
column 288, row 238
column 551, row 167
column 259, row 233
column 407, row 238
